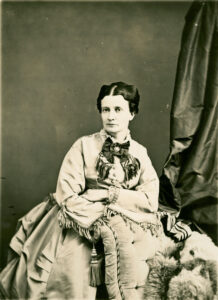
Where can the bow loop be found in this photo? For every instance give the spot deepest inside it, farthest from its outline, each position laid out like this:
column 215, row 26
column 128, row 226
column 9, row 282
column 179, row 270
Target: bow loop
column 111, row 149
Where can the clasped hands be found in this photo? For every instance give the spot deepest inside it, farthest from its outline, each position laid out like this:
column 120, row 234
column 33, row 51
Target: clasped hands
column 115, row 177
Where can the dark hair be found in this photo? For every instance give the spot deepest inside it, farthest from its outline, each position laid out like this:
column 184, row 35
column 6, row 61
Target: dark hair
column 129, row 93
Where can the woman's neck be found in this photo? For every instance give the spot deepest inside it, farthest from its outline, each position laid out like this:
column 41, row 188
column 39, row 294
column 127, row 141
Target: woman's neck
column 119, row 137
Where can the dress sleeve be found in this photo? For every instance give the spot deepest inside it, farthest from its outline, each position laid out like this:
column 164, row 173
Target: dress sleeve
column 71, row 179
column 76, row 210
column 144, row 198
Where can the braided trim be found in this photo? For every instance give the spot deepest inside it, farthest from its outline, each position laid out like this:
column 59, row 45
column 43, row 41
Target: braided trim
column 118, row 261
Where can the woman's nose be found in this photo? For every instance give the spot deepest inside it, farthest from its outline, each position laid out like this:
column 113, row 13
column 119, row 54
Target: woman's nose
column 111, row 115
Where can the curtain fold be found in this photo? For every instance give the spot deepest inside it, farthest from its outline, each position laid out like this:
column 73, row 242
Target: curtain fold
column 188, row 184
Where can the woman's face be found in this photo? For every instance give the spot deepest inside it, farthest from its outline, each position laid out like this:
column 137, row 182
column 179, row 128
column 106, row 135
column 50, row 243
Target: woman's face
column 115, row 114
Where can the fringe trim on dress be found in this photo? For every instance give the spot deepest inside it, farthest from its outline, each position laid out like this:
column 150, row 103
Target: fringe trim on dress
column 155, row 228
column 91, row 233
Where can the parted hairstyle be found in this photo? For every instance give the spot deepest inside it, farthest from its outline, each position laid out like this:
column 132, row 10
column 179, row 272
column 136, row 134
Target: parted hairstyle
column 129, row 93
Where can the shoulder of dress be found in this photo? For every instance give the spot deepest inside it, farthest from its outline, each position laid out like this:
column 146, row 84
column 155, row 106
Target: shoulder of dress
column 93, row 135
column 87, row 139
column 136, row 146
column 90, row 137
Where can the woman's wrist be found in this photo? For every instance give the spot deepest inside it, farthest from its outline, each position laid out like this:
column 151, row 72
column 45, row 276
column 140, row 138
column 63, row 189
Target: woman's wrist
column 113, row 194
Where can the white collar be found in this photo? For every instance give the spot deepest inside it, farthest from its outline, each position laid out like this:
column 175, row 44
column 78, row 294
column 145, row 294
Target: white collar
column 105, row 135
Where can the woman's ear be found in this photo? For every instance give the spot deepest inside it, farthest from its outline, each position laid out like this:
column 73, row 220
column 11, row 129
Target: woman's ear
column 132, row 116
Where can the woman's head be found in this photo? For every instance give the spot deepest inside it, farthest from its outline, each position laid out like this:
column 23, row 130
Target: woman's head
column 129, row 93
column 117, row 104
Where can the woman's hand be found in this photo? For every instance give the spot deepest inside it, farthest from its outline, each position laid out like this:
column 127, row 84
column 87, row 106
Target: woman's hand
column 95, row 194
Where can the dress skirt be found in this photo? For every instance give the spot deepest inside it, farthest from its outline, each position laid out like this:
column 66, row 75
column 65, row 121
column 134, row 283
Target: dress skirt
column 46, row 261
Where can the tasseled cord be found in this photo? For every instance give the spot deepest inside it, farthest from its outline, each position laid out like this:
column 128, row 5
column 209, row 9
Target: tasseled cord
column 96, row 276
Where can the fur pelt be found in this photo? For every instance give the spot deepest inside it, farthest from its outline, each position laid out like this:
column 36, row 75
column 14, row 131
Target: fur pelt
column 190, row 285
column 184, row 270
column 198, row 246
column 207, row 269
column 162, row 269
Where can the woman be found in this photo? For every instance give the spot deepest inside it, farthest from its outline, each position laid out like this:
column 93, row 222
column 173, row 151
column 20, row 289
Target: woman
column 107, row 191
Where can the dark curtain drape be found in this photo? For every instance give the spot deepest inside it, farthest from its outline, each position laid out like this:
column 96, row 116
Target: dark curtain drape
column 188, row 183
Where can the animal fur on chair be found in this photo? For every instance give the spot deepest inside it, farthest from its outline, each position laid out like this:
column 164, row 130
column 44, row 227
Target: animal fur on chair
column 199, row 246
column 190, row 285
column 185, row 270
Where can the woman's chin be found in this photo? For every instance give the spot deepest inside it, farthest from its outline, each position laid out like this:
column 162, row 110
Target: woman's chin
column 111, row 129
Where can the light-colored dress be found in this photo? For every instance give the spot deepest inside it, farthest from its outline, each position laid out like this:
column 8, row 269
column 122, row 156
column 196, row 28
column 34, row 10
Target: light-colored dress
column 52, row 247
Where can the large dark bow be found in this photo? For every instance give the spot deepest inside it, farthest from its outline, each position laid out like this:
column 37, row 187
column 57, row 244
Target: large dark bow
column 130, row 164
column 110, row 149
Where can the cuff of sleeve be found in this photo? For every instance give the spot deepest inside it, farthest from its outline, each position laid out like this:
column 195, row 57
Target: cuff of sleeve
column 113, row 194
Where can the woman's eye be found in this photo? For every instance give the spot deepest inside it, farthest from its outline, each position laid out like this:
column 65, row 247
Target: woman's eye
column 117, row 109
column 105, row 109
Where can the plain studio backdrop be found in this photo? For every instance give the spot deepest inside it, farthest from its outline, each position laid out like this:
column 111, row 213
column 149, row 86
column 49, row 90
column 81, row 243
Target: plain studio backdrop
column 55, row 58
